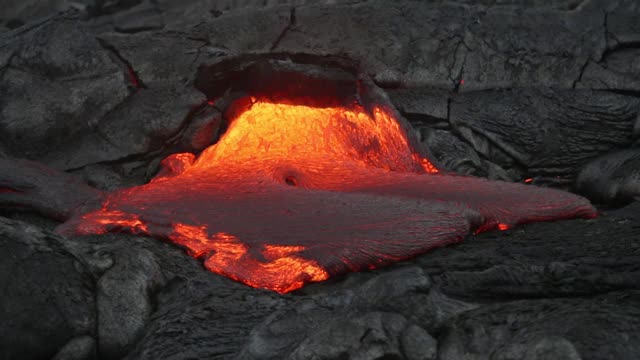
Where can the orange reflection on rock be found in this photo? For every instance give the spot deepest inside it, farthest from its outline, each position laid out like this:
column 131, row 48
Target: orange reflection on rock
column 103, row 221
column 174, row 165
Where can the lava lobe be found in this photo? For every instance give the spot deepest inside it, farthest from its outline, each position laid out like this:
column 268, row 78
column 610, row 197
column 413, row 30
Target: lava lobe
column 294, row 194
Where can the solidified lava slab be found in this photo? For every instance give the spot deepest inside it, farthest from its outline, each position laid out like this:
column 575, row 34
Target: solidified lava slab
column 294, row 194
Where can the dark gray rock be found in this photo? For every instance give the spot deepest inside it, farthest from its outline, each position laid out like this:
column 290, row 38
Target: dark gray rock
column 370, row 336
column 56, row 85
column 596, row 328
column 559, row 259
column 124, row 301
column 71, row 101
column 452, row 153
column 17, row 12
column 143, row 17
column 423, row 107
column 182, row 311
column 29, row 185
column 166, row 59
column 142, row 126
column 613, row 178
column 544, row 134
column 618, row 70
column 362, row 320
column 622, row 29
column 80, row 348
column 417, row 344
column 48, row 294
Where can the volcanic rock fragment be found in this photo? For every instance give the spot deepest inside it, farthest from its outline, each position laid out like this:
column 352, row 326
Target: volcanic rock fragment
column 362, row 320
column 612, row 178
column 80, row 348
column 124, row 302
column 48, row 294
column 543, row 329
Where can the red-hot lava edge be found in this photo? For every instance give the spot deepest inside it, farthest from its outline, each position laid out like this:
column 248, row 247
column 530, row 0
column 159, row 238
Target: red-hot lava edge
column 293, row 194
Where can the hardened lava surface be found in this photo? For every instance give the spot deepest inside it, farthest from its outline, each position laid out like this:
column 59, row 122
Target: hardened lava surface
column 293, row 194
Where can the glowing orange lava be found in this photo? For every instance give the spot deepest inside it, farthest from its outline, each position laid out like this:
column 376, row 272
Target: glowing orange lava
column 293, row 144
column 316, row 139
column 293, row 194
column 281, row 270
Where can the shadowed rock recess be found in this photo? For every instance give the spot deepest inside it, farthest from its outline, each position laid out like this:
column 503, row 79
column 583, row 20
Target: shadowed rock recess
column 98, row 96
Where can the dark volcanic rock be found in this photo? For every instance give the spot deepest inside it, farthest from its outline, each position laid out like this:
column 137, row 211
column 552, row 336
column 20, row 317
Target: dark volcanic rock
column 567, row 258
column 71, row 100
column 28, row 184
column 139, row 127
column 16, row 13
column 57, row 82
column 612, row 178
column 48, row 295
column 168, row 306
column 80, row 348
column 373, row 320
column 595, row 328
column 544, row 134
column 124, row 303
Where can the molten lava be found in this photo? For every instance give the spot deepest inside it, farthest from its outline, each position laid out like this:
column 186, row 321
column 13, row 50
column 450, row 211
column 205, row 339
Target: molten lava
column 293, row 194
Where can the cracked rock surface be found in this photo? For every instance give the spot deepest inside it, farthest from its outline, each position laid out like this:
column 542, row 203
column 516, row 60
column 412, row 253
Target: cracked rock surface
column 546, row 92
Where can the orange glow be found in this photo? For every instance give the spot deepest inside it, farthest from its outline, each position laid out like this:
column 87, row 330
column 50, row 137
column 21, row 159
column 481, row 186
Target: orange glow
column 225, row 254
column 529, row 180
column 316, row 148
column 101, row 222
column 427, row 165
column 293, row 194
column 313, row 138
column 174, row 165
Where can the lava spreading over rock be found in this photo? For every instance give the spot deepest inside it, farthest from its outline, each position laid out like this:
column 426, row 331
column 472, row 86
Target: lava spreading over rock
column 293, row 194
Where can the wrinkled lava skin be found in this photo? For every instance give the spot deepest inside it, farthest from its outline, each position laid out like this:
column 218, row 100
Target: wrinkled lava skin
column 293, row 194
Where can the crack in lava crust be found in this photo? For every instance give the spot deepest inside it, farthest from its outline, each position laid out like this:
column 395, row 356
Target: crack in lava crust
column 294, row 194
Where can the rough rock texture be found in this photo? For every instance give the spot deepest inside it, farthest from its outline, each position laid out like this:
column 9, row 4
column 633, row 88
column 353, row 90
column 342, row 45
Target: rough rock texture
column 123, row 301
column 57, row 83
column 507, row 89
column 48, row 296
column 187, row 312
column 547, row 329
column 547, row 134
column 612, row 178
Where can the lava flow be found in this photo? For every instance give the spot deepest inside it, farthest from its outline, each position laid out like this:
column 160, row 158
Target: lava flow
column 293, row 194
